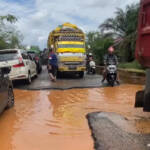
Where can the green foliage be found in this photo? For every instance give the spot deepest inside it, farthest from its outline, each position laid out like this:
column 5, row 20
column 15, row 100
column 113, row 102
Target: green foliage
column 9, row 18
column 3, row 44
column 35, row 49
column 131, row 65
column 123, row 26
column 9, row 36
column 98, row 45
column 119, row 31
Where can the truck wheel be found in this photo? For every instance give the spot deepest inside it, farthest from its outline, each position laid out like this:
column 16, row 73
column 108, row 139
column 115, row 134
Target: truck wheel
column 81, row 74
column 58, row 74
column 139, row 99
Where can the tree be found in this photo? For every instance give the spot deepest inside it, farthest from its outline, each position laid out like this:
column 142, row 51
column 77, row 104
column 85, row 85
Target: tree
column 9, row 18
column 35, row 48
column 123, row 27
column 9, row 36
column 98, row 45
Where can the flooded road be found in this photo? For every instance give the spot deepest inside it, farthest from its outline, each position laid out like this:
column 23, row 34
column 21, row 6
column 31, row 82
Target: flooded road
column 55, row 120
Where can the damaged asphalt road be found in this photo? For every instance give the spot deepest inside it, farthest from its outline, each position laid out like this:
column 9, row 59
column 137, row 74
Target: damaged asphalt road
column 108, row 129
column 109, row 135
column 42, row 82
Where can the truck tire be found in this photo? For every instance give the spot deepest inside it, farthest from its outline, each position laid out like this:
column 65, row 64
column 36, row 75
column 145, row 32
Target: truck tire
column 147, row 92
column 81, row 74
column 59, row 74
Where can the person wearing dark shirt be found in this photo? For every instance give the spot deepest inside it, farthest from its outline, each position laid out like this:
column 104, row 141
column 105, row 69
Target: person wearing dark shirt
column 52, row 65
column 110, row 59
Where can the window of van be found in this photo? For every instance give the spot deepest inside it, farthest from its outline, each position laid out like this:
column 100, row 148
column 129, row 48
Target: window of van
column 8, row 55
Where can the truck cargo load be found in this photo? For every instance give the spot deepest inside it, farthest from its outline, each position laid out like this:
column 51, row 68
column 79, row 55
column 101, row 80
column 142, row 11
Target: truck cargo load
column 143, row 53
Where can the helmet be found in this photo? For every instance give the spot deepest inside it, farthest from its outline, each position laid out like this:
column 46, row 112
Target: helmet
column 111, row 49
column 52, row 46
column 90, row 54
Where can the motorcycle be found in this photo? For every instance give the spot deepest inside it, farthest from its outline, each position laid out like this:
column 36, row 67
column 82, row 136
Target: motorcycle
column 92, row 67
column 111, row 74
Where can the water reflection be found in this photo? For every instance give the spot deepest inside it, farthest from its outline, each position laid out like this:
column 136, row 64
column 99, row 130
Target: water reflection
column 43, row 120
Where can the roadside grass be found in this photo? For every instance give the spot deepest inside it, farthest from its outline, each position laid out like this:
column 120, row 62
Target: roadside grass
column 132, row 67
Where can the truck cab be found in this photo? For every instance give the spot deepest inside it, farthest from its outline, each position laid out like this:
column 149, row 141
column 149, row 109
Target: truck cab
column 143, row 53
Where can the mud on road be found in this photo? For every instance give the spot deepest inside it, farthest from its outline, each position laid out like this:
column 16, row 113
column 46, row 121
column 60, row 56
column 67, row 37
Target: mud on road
column 56, row 119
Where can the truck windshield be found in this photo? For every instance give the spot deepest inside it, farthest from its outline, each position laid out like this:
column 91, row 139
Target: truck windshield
column 70, row 46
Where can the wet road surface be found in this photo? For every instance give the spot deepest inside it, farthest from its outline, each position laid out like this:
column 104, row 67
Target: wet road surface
column 66, row 82
column 44, row 120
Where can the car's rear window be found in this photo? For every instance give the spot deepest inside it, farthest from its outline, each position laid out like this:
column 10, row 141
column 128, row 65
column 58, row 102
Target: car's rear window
column 6, row 56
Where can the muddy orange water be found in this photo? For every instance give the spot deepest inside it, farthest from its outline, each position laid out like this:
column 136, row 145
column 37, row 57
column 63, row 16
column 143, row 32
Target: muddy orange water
column 55, row 120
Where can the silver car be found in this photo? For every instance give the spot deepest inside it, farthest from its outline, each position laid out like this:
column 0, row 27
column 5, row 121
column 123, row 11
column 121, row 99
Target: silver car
column 6, row 89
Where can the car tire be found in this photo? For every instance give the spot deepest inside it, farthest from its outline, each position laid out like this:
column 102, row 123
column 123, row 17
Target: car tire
column 36, row 73
column 10, row 98
column 29, row 80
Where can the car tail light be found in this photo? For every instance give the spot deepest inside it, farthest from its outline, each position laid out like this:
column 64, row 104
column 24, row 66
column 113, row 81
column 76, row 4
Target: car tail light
column 20, row 60
column 18, row 65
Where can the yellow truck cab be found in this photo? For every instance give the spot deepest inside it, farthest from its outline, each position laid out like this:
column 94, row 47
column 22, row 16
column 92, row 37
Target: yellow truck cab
column 69, row 44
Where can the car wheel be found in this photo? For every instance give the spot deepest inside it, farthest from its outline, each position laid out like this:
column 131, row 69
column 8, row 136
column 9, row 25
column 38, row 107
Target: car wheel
column 10, row 98
column 29, row 78
column 36, row 73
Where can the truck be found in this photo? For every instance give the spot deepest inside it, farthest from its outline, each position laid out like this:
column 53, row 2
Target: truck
column 143, row 53
column 68, row 41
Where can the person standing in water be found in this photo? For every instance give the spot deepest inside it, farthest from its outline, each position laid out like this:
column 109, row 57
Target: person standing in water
column 52, row 65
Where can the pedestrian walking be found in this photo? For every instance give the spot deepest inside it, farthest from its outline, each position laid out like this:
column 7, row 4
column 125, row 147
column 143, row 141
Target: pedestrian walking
column 52, row 65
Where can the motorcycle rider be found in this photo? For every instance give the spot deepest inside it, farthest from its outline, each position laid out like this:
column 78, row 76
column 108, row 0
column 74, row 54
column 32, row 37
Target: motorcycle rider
column 110, row 58
column 92, row 66
column 88, row 59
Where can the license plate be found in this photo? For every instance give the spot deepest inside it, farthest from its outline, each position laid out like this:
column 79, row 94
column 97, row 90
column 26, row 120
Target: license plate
column 72, row 67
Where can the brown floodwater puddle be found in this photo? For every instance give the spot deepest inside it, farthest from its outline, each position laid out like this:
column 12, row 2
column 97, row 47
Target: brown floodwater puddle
column 55, row 120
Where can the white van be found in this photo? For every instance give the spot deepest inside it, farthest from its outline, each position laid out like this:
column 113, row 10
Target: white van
column 22, row 65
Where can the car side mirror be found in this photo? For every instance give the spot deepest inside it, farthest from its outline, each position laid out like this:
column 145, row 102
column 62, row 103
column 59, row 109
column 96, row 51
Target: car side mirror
column 6, row 70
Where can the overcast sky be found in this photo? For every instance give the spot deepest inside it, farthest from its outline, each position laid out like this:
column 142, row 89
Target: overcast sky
column 38, row 17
